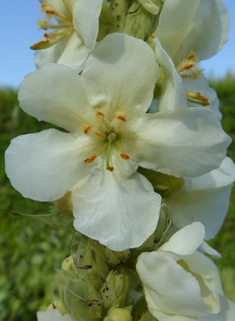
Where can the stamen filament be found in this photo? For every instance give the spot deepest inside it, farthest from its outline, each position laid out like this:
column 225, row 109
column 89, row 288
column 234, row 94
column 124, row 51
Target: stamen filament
column 58, row 34
column 93, row 157
column 123, row 153
column 47, row 43
column 201, row 103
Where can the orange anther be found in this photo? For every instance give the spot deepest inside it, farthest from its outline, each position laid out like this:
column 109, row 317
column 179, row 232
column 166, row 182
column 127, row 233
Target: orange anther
column 205, row 103
column 201, row 97
column 89, row 160
column 99, row 113
column 50, row 11
column 121, row 118
column 124, row 156
column 191, row 57
column 110, row 168
column 188, row 67
column 87, row 129
column 39, row 44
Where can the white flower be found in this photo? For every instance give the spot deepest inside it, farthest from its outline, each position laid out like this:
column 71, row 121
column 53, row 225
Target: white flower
column 53, row 315
column 182, row 284
column 205, row 199
column 201, row 26
column 105, row 111
column 73, row 37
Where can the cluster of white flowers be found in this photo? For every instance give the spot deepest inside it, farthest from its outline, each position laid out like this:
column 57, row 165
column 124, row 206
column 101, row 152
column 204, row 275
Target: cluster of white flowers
column 141, row 136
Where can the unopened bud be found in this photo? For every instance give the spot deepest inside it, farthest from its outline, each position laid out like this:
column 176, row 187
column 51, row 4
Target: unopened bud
column 163, row 184
column 119, row 314
column 64, row 204
column 59, row 305
column 115, row 289
column 141, row 311
column 96, row 266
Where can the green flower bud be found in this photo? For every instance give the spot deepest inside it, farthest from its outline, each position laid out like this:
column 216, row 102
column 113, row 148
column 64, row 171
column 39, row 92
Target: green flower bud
column 141, row 311
column 67, row 263
column 59, row 305
column 154, row 240
column 163, row 184
column 112, row 257
column 80, row 300
column 115, row 289
column 105, row 20
column 119, row 314
column 98, row 268
column 119, row 10
column 140, row 23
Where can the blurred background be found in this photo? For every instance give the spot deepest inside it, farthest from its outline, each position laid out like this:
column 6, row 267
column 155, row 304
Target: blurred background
column 30, row 250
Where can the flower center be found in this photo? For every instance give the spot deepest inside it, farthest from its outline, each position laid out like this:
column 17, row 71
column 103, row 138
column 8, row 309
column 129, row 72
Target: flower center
column 109, row 131
column 64, row 29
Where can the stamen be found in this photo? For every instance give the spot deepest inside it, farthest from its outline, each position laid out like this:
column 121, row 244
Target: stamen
column 123, row 153
column 51, row 11
column 93, row 157
column 57, row 34
column 87, row 129
column 203, row 100
column 48, row 43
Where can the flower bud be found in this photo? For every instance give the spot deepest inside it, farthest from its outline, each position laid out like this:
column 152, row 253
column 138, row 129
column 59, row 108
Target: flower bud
column 80, row 298
column 59, row 305
column 115, row 289
column 97, row 269
column 119, row 314
column 64, row 204
column 141, row 311
column 112, row 257
column 163, row 184
column 140, row 23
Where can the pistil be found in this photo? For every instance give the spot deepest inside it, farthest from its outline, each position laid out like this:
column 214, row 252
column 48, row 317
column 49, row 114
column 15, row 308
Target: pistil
column 111, row 139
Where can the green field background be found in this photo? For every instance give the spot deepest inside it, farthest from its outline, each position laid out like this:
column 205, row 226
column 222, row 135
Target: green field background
column 30, row 250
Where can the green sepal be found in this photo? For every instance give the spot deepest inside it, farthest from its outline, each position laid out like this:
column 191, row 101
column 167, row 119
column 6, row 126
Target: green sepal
column 54, row 219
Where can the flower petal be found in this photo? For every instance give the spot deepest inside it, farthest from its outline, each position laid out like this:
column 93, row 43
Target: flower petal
column 45, row 165
column 53, row 315
column 204, row 248
column 119, row 212
column 174, row 21
column 74, row 54
column 183, row 143
column 86, row 20
column 168, row 288
column 172, row 95
column 206, row 200
column 220, row 35
column 185, row 241
column 120, row 74
column 55, row 94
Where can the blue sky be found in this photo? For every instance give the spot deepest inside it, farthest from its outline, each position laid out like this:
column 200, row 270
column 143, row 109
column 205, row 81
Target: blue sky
column 18, row 20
